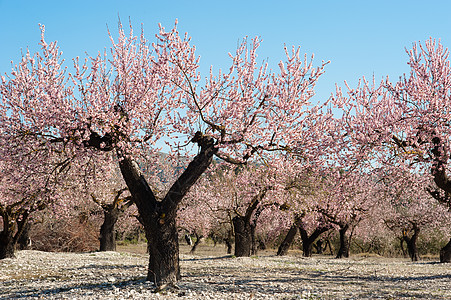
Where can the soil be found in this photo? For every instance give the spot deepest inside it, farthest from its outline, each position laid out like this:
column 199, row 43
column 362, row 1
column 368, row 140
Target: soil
column 211, row 274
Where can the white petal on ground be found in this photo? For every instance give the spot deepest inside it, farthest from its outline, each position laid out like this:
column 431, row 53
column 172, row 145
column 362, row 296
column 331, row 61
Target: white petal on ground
column 214, row 275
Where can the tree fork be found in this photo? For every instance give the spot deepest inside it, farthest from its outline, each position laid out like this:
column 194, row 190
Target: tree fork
column 307, row 241
column 159, row 217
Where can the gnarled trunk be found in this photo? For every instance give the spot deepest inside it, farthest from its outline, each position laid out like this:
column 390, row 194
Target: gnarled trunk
column 243, row 237
column 228, row 242
column 7, row 243
column 320, row 247
column 196, row 243
column 401, row 245
column 307, row 241
column 441, row 179
column 244, row 229
column 412, row 243
column 163, row 246
column 288, row 240
column 445, row 253
column 24, row 241
column 13, row 226
column 343, row 251
column 107, row 234
column 188, row 240
column 159, row 217
column 254, row 246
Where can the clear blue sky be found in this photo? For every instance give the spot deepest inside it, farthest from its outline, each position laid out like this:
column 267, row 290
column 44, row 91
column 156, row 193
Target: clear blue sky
column 358, row 37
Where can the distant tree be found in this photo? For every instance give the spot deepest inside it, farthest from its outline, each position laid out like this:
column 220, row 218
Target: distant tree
column 27, row 185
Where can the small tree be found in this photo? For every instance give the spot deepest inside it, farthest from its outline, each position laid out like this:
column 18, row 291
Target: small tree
column 26, row 186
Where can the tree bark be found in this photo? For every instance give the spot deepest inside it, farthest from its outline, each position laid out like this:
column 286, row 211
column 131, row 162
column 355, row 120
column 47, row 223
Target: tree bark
column 228, row 242
column 159, row 217
column 196, row 243
column 287, row 241
column 164, row 268
column 244, row 233
column 243, row 238
column 289, row 238
column 254, row 246
column 401, row 244
column 13, row 226
column 445, row 253
column 7, row 243
column 441, row 179
column 24, row 241
column 343, row 251
column 188, row 240
column 107, row 234
column 319, row 247
column 412, row 243
column 307, row 241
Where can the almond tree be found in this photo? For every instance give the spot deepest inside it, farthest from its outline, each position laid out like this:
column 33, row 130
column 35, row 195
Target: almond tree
column 112, row 210
column 305, row 191
column 407, row 208
column 140, row 93
column 348, row 198
column 27, row 185
column 238, row 195
column 408, row 119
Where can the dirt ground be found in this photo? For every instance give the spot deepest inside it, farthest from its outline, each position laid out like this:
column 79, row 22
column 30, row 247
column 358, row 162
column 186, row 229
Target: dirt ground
column 212, row 274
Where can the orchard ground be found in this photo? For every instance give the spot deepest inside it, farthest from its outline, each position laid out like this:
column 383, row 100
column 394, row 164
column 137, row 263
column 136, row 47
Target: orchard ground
column 211, row 274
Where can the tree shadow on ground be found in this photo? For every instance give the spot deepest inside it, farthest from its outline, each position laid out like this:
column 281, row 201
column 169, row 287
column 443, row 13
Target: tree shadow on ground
column 82, row 289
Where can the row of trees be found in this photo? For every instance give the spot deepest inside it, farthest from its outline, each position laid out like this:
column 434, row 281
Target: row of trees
column 258, row 209
column 68, row 132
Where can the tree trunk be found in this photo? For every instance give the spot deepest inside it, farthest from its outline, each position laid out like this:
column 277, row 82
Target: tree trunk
column 401, row 244
column 107, row 238
column 328, row 244
column 196, row 243
column 343, row 251
column 307, row 241
column 243, row 238
column 244, row 229
column 9, row 235
column 164, row 268
column 289, row 238
column 159, row 217
column 445, row 253
column 412, row 249
column 412, row 243
column 188, row 240
column 228, row 242
column 440, row 172
column 7, row 243
column 24, row 241
column 307, row 248
column 254, row 246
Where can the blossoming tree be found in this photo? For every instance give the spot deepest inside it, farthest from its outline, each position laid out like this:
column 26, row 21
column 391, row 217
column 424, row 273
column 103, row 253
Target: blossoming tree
column 409, row 119
column 140, row 93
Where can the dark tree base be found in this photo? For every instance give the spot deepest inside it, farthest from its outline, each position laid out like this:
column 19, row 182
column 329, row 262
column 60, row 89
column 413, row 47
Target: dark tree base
column 289, row 238
column 343, row 251
column 7, row 246
column 445, row 253
column 243, row 239
column 107, row 239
